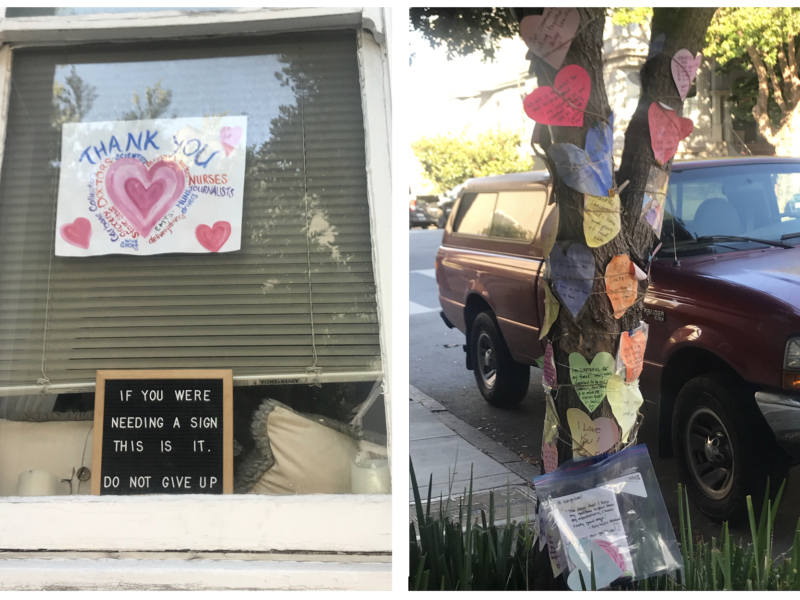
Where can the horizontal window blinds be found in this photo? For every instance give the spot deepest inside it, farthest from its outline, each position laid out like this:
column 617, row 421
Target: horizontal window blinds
column 259, row 311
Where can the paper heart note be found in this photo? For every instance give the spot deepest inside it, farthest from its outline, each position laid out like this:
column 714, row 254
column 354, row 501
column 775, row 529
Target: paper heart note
column 550, row 431
column 590, row 170
column 550, row 229
column 78, row 233
column 583, row 555
column 667, row 130
column 601, row 219
column 630, row 356
column 625, row 400
column 684, row 68
column 590, row 437
column 551, row 306
column 550, row 34
column 573, row 275
column 549, row 457
column 549, row 367
column 590, row 380
column 563, row 105
column 622, row 283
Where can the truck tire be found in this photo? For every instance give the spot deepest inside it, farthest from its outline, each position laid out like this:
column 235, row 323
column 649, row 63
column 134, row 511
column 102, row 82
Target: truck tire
column 723, row 448
column 502, row 381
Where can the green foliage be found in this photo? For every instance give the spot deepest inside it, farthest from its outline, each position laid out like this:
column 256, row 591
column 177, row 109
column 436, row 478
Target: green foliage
column 465, row 31
column 450, row 160
column 626, row 15
column 156, row 103
column 72, row 101
column 732, row 30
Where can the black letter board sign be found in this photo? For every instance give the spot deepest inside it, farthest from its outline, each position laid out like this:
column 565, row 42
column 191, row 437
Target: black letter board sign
column 163, row 432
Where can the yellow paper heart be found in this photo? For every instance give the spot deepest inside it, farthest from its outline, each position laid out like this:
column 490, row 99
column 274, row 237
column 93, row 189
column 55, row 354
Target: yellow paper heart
column 601, row 219
column 625, row 400
column 590, row 437
column 550, row 421
column 549, row 229
column 550, row 310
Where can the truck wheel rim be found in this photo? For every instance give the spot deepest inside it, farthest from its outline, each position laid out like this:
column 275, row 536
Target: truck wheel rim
column 709, row 454
column 487, row 365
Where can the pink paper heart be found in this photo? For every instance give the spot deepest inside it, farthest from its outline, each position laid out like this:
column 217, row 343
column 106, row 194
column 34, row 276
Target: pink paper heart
column 607, row 433
column 144, row 196
column 213, row 238
column 550, row 34
column 549, row 457
column 667, row 130
column 230, row 136
column 78, row 233
column 684, row 68
column 549, row 367
column 565, row 108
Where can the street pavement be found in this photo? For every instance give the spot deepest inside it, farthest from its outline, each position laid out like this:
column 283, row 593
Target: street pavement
column 438, row 371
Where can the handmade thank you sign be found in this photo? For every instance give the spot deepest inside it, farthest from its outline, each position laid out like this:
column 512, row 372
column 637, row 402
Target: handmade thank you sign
column 163, row 432
column 151, row 187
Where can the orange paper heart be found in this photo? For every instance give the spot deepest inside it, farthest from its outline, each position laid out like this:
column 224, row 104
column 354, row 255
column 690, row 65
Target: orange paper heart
column 631, row 350
column 621, row 284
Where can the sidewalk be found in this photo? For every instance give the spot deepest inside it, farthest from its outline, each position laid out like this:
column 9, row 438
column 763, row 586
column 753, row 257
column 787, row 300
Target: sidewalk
column 440, row 442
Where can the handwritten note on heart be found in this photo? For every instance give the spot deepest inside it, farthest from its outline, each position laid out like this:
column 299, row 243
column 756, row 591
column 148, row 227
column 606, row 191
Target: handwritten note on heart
column 630, row 356
column 549, row 457
column 549, row 367
column 583, row 555
column 213, row 238
column 550, row 229
column 144, row 195
column 684, row 68
column 601, row 219
column 78, row 233
column 563, row 105
column 550, row 431
column 551, row 307
column 573, row 275
column 590, row 437
column 550, row 34
column 590, row 380
column 625, row 400
column 589, row 171
column 667, row 130
column 621, row 284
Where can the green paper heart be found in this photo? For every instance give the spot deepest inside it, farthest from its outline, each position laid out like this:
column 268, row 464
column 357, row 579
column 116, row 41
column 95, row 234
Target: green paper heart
column 590, row 380
column 625, row 400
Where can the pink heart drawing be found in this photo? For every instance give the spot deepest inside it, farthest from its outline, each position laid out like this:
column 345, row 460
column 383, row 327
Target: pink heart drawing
column 230, row 136
column 78, row 233
column 684, row 68
column 144, row 196
column 214, row 237
column 550, row 34
column 549, row 457
column 613, row 552
column 549, row 367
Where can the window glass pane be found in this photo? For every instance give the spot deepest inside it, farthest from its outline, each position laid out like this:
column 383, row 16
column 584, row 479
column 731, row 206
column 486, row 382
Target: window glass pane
column 475, row 214
column 517, row 214
column 63, row 11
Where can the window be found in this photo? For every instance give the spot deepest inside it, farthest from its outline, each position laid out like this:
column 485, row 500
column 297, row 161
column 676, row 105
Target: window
column 475, row 214
column 517, row 214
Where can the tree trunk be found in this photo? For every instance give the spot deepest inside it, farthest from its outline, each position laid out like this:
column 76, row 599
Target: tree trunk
column 596, row 329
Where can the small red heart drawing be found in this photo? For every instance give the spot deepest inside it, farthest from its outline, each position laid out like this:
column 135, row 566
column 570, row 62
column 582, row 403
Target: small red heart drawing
column 546, row 105
column 229, row 137
column 214, row 237
column 667, row 130
column 78, row 233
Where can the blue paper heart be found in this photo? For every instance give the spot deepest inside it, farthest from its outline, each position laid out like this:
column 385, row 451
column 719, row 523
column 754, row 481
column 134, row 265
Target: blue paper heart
column 573, row 275
column 588, row 171
column 606, row 571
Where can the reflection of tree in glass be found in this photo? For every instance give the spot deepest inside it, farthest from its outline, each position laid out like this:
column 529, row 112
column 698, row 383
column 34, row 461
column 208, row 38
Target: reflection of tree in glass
column 72, row 101
column 156, row 103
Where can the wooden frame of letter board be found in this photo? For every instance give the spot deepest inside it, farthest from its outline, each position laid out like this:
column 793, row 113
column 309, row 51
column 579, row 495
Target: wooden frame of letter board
column 227, row 414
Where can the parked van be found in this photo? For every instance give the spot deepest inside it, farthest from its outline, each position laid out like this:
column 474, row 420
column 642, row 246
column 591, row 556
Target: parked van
column 723, row 309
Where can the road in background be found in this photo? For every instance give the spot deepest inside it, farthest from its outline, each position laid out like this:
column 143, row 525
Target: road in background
column 438, row 368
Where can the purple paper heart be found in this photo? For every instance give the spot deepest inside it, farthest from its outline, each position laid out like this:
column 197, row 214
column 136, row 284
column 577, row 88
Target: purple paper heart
column 573, row 275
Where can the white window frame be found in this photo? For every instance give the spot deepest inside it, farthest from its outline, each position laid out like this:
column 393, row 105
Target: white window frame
column 353, row 523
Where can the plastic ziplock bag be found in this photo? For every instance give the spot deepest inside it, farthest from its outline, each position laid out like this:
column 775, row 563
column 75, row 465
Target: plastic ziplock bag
column 608, row 509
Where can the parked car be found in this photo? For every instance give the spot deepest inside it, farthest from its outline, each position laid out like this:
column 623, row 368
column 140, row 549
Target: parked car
column 424, row 211
column 722, row 365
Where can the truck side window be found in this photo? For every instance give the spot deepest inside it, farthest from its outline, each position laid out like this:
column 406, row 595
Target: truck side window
column 517, row 214
column 475, row 214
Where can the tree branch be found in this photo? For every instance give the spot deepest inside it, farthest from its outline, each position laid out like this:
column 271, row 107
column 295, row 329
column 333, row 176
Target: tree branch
column 760, row 112
column 786, row 72
column 776, row 88
column 793, row 75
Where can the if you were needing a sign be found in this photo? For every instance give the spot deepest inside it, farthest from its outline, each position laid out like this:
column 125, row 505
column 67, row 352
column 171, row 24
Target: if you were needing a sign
column 151, row 187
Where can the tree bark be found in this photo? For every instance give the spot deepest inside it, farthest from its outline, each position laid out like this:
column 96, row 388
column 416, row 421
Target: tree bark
column 760, row 110
column 596, row 329
column 793, row 79
column 776, row 88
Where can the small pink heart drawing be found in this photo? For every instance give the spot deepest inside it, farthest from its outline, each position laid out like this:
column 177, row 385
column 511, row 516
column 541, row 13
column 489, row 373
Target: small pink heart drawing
column 78, row 233
column 144, row 196
column 229, row 137
column 549, row 457
column 214, row 237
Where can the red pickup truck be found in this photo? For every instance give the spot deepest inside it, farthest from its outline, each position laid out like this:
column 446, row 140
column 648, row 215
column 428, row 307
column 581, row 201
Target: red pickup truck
column 722, row 365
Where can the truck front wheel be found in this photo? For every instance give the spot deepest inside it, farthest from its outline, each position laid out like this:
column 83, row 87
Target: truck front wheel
column 501, row 380
column 723, row 449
